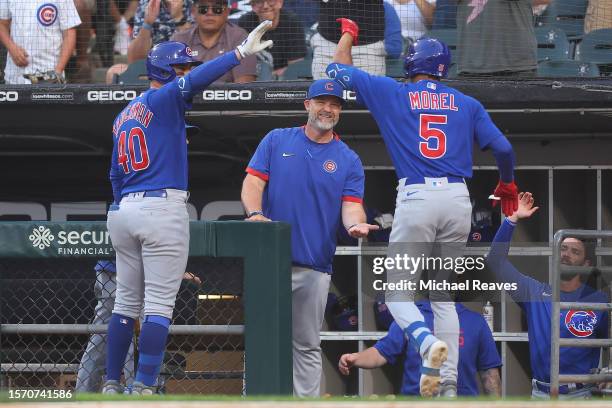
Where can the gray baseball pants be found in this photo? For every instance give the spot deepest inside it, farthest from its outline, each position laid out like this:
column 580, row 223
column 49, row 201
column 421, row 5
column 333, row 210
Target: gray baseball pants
column 150, row 236
column 433, row 212
column 309, row 290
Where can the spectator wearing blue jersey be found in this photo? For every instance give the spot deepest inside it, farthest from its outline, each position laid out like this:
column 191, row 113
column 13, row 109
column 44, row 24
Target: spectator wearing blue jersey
column 307, row 177
column 478, row 356
column 394, row 44
column 534, row 298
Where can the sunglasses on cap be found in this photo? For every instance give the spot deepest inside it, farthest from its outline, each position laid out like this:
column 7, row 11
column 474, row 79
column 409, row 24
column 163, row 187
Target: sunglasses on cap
column 216, row 9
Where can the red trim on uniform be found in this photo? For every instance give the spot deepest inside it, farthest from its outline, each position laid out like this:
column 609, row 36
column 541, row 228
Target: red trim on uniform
column 256, row 173
column 352, row 199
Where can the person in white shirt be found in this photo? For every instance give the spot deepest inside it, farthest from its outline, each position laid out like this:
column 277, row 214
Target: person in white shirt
column 416, row 17
column 39, row 35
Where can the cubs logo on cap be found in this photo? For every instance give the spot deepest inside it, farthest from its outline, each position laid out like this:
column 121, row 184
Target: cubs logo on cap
column 47, row 14
column 323, row 87
column 581, row 323
column 191, row 52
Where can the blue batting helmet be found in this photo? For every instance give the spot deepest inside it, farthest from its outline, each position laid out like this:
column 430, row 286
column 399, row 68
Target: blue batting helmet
column 427, row 56
column 164, row 55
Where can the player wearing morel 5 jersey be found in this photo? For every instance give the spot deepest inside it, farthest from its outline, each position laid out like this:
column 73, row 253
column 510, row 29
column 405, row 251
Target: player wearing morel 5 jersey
column 429, row 130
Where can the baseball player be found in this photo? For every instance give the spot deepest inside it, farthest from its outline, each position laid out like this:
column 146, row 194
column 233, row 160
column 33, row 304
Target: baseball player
column 149, row 225
column 40, row 37
column 91, row 367
column 306, row 176
column 477, row 354
column 429, row 130
column 534, row 298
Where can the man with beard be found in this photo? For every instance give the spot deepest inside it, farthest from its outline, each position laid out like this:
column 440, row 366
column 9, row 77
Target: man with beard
column 534, row 298
column 306, row 176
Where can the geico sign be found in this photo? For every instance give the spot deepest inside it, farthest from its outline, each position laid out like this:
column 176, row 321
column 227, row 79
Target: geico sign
column 8, row 96
column 111, row 95
column 227, row 95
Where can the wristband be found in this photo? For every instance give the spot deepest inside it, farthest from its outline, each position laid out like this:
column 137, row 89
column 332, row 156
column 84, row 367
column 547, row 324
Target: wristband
column 254, row 213
column 349, row 228
column 147, row 26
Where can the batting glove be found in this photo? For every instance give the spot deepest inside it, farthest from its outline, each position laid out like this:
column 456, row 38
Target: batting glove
column 508, row 195
column 252, row 44
column 349, row 26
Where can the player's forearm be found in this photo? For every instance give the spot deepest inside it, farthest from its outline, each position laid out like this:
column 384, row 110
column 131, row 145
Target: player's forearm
column 5, row 33
column 139, row 46
column 68, row 44
column 491, row 382
column 343, row 50
column 427, row 10
column 504, row 156
column 352, row 213
column 369, row 358
column 203, row 75
column 252, row 193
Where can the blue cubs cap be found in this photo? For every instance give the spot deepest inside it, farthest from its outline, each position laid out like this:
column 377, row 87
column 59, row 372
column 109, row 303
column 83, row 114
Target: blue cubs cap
column 324, row 87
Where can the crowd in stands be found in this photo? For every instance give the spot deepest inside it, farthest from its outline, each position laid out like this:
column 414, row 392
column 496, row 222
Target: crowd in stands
column 84, row 41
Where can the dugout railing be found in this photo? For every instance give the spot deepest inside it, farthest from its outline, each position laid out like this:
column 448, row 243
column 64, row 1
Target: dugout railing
column 556, row 341
column 264, row 249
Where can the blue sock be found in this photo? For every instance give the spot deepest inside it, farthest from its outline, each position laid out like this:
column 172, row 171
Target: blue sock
column 120, row 334
column 151, row 346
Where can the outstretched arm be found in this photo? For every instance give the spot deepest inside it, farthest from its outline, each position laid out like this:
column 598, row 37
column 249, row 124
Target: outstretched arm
column 497, row 259
column 203, row 75
column 369, row 358
column 350, row 33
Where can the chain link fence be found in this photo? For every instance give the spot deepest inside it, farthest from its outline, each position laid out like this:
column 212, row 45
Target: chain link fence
column 54, row 313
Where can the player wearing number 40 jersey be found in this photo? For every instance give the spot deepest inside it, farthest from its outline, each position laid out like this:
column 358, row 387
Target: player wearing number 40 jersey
column 148, row 223
column 429, row 130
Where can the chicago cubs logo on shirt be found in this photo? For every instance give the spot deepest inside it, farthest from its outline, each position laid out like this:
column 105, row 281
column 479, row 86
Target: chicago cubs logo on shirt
column 47, row 14
column 330, row 166
column 581, row 323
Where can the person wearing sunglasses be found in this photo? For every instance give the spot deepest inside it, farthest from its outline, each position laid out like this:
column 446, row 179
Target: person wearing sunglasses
column 287, row 32
column 212, row 34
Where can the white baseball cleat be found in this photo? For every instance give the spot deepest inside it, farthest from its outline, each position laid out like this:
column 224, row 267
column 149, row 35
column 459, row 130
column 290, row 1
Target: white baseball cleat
column 111, row 387
column 139, row 388
column 430, row 370
column 448, row 390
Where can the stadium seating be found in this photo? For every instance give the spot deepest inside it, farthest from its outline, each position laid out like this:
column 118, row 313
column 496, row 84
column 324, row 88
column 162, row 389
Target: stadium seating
column 552, row 44
column 567, row 68
column 568, row 15
column 299, row 70
column 449, row 37
column 136, row 74
column 596, row 47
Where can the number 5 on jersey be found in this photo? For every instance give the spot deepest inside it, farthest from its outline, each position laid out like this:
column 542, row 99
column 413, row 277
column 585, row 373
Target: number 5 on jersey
column 127, row 148
column 434, row 145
